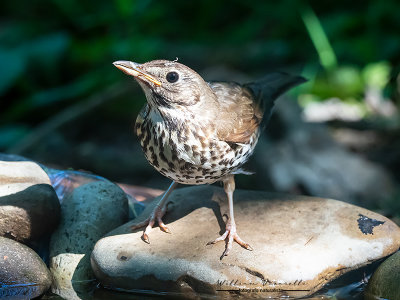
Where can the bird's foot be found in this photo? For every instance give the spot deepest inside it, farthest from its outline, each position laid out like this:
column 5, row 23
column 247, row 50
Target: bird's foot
column 156, row 215
column 230, row 235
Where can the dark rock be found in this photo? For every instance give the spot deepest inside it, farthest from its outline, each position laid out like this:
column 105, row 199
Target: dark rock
column 385, row 282
column 300, row 244
column 87, row 214
column 29, row 207
column 23, row 275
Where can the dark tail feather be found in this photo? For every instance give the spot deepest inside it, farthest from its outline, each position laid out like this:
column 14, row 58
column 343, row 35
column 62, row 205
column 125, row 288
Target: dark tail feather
column 269, row 88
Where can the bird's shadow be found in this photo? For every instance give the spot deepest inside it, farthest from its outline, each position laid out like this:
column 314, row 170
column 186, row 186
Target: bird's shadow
column 184, row 201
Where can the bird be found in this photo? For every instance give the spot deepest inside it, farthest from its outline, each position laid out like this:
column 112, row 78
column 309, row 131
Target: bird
column 196, row 132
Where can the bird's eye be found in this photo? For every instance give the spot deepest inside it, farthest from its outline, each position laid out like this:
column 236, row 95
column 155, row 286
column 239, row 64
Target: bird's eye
column 172, row 77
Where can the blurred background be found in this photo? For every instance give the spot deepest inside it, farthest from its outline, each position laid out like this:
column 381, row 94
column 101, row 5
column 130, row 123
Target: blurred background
column 64, row 104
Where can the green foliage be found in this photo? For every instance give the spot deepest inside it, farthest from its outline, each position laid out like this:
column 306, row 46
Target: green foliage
column 317, row 34
column 12, row 67
column 11, row 133
column 56, row 53
column 377, row 74
column 349, row 82
column 346, row 82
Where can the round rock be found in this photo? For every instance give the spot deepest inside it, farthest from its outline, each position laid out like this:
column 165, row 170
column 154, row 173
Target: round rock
column 87, row 214
column 385, row 282
column 23, row 275
column 300, row 244
column 29, row 207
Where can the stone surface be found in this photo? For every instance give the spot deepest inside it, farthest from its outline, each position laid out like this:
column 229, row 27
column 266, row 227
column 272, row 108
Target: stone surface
column 23, row 275
column 29, row 207
column 385, row 282
column 300, row 244
column 87, row 214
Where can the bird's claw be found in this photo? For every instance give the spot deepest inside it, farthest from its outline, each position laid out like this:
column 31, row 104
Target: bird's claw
column 145, row 238
column 230, row 235
column 162, row 226
column 155, row 216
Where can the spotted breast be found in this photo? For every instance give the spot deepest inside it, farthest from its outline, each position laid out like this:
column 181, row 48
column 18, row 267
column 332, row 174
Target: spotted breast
column 189, row 152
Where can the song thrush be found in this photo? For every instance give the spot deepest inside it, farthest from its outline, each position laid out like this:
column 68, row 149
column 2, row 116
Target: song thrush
column 197, row 132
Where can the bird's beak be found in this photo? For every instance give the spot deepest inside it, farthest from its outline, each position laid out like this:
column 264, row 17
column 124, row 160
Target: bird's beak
column 132, row 68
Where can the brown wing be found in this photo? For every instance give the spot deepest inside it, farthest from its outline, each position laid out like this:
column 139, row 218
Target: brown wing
column 239, row 116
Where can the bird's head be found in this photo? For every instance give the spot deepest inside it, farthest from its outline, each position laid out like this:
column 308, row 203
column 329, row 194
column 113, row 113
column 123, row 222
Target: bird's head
column 167, row 83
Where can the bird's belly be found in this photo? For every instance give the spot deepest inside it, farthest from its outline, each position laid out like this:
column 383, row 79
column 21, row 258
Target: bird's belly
column 193, row 159
column 201, row 168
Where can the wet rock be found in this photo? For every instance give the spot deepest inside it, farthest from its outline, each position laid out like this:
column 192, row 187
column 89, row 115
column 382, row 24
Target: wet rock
column 87, row 214
column 29, row 207
column 23, row 275
column 300, row 244
column 385, row 282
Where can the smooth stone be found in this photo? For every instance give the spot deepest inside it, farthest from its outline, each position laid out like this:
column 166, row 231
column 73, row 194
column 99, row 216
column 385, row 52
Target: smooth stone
column 385, row 282
column 300, row 243
column 87, row 214
column 23, row 274
column 29, row 206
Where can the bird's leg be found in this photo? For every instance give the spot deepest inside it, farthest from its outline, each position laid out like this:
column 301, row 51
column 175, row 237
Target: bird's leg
column 156, row 215
column 230, row 233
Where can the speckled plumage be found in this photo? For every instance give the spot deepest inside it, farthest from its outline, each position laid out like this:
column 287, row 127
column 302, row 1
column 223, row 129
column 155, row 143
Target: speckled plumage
column 187, row 151
column 195, row 132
